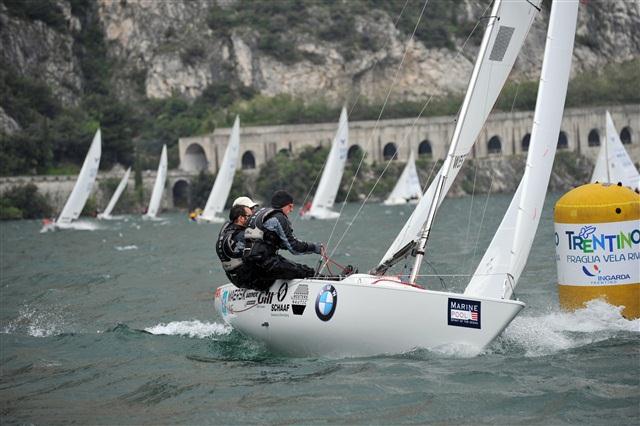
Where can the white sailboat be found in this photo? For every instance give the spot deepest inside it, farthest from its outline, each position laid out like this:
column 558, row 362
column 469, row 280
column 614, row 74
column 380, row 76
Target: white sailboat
column 368, row 314
column 614, row 164
column 222, row 186
column 82, row 188
column 158, row 187
column 407, row 189
column 106, row 214
column 325, row 195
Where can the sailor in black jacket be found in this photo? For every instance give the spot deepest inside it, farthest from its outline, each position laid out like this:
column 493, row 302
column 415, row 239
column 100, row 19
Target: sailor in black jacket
column 230, row 246
column 269, row 230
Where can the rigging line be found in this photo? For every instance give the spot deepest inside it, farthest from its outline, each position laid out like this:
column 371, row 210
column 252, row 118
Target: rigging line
column 375, row 128
column 458, row 54
column 295, row 218
column 473, row 192
column 484, row 211
column 353, row 107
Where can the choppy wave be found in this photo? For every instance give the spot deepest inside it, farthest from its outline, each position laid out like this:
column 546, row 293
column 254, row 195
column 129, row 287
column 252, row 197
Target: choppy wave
column 126, row 248
column 558, row 331
column 193, row 328
column 36, row 323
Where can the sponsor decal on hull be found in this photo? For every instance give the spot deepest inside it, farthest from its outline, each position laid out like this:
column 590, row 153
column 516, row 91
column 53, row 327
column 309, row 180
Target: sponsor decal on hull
column 463, row 313
column 299, row 299
column 326, row 302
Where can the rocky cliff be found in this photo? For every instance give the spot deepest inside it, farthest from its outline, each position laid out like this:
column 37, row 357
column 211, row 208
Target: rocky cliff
column 161, row 48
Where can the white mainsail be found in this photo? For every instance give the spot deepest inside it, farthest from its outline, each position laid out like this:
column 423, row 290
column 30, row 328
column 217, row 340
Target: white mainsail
column 505, row 258
column 84, row 184
column 408, row 186
column 507, row 28
column 106, row 214
column 158, row 186
column 614, row 164
column 325, row 195
column 222, row 186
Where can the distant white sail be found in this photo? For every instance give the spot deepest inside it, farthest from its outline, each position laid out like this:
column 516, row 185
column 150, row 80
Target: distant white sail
column 614, row 164
column 158, row 187
column 501, row 266
column 222, row 186
column 84, row 184
column 325, row 195
column 408, row 187
column 507, row 27
column 116, row 196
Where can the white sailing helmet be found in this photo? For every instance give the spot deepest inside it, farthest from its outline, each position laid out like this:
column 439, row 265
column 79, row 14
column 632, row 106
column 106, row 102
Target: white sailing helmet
column 244, row 201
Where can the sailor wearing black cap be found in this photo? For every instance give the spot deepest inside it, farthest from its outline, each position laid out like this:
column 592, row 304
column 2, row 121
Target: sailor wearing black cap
column 268, row 231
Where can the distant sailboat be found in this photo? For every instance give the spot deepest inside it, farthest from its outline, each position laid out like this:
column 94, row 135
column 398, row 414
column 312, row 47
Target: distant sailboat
column 106, row 214
column 222, row 186
column 158, row 187
column 407, row 189
column 614, row 164
column 327, row 190
column 82, row 189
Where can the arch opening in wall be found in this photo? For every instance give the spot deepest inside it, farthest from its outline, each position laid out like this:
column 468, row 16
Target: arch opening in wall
column 526, row 140
column 494, row 146
column 248, row 161
column 594, row 138
column 563, row 140
column 195, row 159
column 285, row 152
column 625, row 135
column 390, row 152
column 424, row 149
column 181, row 193
column 354, row 152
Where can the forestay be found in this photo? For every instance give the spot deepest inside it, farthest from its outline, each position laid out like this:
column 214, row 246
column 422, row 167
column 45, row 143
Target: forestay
column 504, row 260
column 222, row 186
column 325, row 195
column 158, row 187
column 84, row 184
column 116, row 195
column 506, row 31
column 614, row 164
column 408, row 185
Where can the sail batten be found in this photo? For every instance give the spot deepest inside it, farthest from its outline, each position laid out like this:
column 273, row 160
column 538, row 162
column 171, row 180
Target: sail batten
column 503, row 262
column 224, row 179
column 498, row 52
column 84, row 184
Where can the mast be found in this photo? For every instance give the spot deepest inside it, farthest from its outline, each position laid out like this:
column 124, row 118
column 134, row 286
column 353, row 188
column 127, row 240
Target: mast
column 606, row 153
column 446, row 167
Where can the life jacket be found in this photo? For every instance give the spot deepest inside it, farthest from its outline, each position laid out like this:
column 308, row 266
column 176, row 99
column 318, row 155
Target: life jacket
column 259, row 241
column 225, row 244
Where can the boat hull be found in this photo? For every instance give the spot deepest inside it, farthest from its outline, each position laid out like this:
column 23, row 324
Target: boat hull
column 321, row 214
column 361, row 315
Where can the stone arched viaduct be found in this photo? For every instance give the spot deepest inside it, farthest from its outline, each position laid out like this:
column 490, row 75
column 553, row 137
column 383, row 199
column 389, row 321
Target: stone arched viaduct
column 503, row 134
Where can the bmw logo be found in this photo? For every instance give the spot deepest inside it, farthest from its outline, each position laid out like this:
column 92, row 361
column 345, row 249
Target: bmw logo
column 326, row 302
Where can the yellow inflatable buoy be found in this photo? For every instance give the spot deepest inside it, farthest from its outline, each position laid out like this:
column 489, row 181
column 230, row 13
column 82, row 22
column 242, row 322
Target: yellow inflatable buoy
column 598, row 247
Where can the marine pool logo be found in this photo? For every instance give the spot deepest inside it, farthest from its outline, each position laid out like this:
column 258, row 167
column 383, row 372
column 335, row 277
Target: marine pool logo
column 326, row 302
column 463, row 313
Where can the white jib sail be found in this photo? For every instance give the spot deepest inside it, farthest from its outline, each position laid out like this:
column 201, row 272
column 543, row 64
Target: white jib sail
column 500, row 268
column 507, row 28
column 116, row 195
column 222, row 186
column 614, row 164
column 84, row 184
column 408, row 186
column 325, row 195
column 158, row 186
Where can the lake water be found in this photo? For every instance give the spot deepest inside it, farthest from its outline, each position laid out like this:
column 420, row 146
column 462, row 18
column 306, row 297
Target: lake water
column 116, row 326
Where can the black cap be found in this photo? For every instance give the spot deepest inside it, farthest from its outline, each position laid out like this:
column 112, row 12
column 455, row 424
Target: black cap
column 280, row 199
